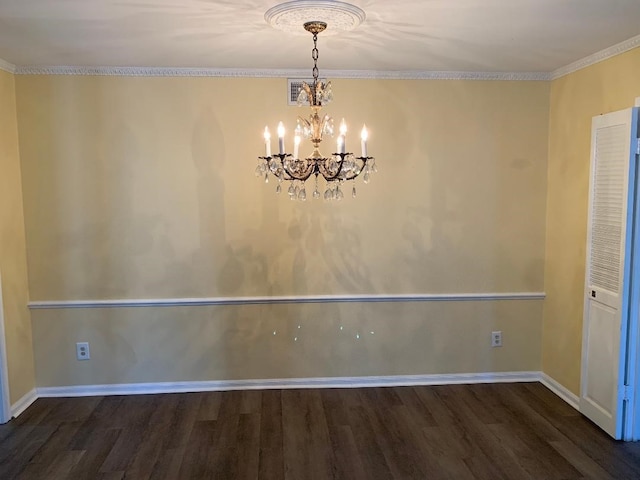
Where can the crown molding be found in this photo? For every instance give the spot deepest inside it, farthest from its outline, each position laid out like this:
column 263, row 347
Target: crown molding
column 345, row 74
column 157, row 71
column 436, row 75
column 597, row 57
column 275, row 73
column 7, row 67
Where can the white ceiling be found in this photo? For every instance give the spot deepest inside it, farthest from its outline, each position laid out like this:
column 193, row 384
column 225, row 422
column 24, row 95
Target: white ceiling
column 407, row 35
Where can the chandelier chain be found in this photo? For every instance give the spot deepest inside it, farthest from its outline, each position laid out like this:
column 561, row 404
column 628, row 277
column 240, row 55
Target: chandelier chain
column 314, row 56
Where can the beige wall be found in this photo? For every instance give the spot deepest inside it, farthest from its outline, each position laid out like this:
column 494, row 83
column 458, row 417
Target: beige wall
column 144, row 188
column 13, row 266
column 166, row 344
column 576, row 98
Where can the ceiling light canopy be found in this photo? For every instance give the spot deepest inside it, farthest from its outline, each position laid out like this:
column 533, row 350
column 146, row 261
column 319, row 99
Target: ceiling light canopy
column 339, row 167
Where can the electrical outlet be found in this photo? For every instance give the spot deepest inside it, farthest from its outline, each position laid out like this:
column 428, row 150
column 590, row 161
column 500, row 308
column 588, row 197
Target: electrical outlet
column 496, row 339
column 82, row 351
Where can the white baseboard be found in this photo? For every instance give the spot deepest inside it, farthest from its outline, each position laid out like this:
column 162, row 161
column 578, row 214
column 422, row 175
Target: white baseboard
column 24, row 403
column 288, row 383
column 560, row 390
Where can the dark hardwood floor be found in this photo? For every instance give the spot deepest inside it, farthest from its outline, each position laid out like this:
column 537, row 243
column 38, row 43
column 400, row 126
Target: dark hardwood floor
column 502, row 431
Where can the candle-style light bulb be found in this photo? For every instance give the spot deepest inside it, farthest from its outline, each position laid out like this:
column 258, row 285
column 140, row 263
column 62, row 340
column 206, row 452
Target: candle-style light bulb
column 296, row 144
column 343, row 135
column 340, row 144
column 363, row 140
column 267, row 142
column 281, row 138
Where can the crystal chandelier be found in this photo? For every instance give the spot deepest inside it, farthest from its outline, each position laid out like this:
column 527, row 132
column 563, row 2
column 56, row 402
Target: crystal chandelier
column 340, row 167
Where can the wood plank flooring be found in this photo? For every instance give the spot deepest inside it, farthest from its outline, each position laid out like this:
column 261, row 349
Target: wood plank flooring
column 501, row 431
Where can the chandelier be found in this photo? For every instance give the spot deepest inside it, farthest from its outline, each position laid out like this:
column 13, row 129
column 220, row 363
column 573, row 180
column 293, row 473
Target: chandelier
column 336, row 169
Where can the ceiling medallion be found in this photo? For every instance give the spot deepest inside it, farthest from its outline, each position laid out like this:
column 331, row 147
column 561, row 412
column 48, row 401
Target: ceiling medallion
column 291, row 16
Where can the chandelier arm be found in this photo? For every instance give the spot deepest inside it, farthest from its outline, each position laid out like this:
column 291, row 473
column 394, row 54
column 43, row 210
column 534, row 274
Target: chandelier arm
column 300, row 176
column 352, row 177
column 361, row 168
column 286, row 177
column 328, row 176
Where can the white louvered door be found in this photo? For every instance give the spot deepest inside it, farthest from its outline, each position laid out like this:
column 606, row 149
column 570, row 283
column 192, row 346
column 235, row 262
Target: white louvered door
column 606, row 322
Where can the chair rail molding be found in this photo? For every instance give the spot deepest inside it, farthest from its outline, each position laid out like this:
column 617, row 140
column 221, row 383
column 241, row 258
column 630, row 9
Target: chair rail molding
column 286, row 299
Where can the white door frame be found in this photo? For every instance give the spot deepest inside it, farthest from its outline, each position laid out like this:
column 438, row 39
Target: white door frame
column 632, row 420
column 5, row 406
column 631, row 425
